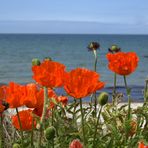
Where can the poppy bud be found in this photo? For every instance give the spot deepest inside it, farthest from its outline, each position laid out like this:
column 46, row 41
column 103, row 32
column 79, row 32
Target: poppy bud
column 93, row 46
column 50, row 133
column 16, row 145
column 48, row 58
column 146, row 81
column 114, row 49
column 76, row 144
column 146, row 95
column 103, row 98
column 36, row 62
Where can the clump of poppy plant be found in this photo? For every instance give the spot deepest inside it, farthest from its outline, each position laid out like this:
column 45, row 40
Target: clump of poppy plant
column 54, row 119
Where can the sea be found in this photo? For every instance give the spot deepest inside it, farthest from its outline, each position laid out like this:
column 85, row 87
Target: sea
column 18, row 50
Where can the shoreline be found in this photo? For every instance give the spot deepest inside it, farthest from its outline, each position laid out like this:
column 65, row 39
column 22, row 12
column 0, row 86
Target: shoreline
column 133, row 104
column 85, row 105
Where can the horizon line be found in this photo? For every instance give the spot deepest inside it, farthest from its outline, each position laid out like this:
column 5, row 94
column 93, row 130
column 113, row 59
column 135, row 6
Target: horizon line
column 38, row 33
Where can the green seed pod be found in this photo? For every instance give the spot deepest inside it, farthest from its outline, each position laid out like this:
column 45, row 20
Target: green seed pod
column 36, row 62
column 50, row 133
column 93, row 46
column 103, row 98
column 16, row 145
column 114, row 49
column 48, row 58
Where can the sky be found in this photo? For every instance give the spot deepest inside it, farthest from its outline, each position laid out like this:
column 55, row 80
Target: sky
column 74, row 16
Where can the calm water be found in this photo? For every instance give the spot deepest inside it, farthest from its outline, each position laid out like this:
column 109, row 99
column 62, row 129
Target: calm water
column 17, row 51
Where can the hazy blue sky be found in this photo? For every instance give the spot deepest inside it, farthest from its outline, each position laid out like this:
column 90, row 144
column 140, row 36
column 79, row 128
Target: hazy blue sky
column 74, row 16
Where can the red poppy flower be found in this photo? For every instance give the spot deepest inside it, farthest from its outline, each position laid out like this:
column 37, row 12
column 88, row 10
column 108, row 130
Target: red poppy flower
column 31, row 98
column 2, row 107
column 82, row 82
column 49, row 73
column 63, row 100
column 122, row 63
column 14, row 94
column 2, row 98
column 40, row 101
column 3, row 92
column 141, row 145
column 26, row 119
column 76, row 144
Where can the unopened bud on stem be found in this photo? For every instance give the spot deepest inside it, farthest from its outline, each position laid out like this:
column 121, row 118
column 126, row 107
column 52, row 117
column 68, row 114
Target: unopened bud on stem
column 103, row 98
column 50, row 133
column 114, row 49
column 16, row 145
column 36, row 62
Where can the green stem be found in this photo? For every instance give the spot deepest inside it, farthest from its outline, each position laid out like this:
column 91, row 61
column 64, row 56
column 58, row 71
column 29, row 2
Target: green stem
column 91, row 99
column 114, row 89
column 48, row 144
column 82, row 121
column 95, row 69
column 52, row 117
column 129, row 99
column 1, row 132
column 74, row 110
column 95, row 63
column 20, row 124
column 52, row 125
column 44, row 106
column 115, row 81
column 40, row 136
column 32, row 145
column 53, row 143
column 43, row 115
column 95, row 97
column 94, row 139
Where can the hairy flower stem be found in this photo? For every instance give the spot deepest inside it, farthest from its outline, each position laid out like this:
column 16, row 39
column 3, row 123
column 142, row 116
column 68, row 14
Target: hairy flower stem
column 114, row 89
column 1, row 132
column 129, row 99
column 82, row 122
column 43, row 115
column 74, row 112
column 95, row 69
column 94, row 139
column 48, row 144
column 95, row 96
column 115, row 81
column 40, row 136
column 52, row 123
column 52, row 117
column 44, row 107
column 96, row 59
column 32, row 145
column 53, row 143
column 20, row 124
